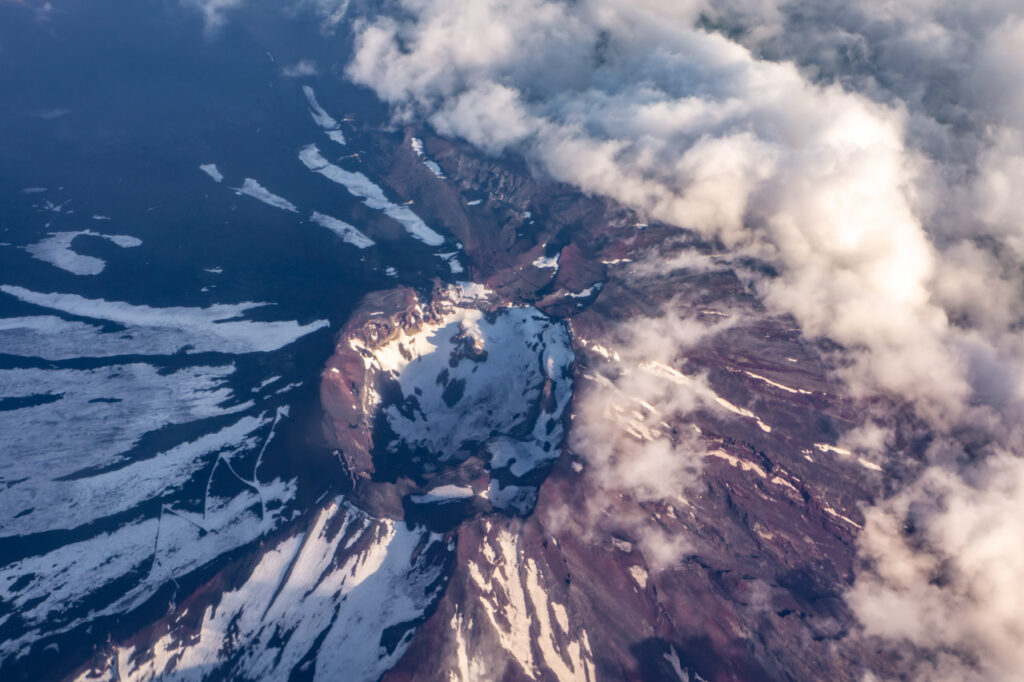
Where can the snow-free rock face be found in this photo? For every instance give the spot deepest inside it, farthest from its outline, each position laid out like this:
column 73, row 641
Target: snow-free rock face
column 457, row 399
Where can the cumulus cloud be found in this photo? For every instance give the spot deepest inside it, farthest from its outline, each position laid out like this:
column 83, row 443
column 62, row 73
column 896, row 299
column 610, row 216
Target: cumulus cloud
column 692, row 129
column 946, row 564
column 872, row 152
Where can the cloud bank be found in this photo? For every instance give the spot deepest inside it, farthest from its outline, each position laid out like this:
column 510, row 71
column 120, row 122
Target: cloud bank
column 870, row 152
column 692, row 129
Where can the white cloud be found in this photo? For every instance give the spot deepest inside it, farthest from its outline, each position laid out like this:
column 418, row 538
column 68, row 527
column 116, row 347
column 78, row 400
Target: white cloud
column 872, row 152
column 954, row 583
column 690, row 128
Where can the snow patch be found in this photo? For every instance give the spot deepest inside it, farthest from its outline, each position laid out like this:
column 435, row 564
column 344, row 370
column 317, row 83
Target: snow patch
column 606, row 353
column 373, row 196
column 452, row 259
column 250, row 187
column 868, row 464
column 825, row 447
column 588, row 292
column 459, row 371
column 212, row 170
column 347, row 232
column 417, row 146
column 777, row 385
column 832, row 512
column 324, row 597
column 444, row 493
column 523, row 618
column 53, row 587
column 322, row 118
column 547, row 262
column 56, row 250
column 701, row 390
column 743, row 412
column 639, row 575
column 474, row 291
column 147, row 330
column 741, row 464
column 72, row 500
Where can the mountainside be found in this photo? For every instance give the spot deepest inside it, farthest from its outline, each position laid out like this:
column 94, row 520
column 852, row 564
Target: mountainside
column 490, row 548
column 535, row 340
